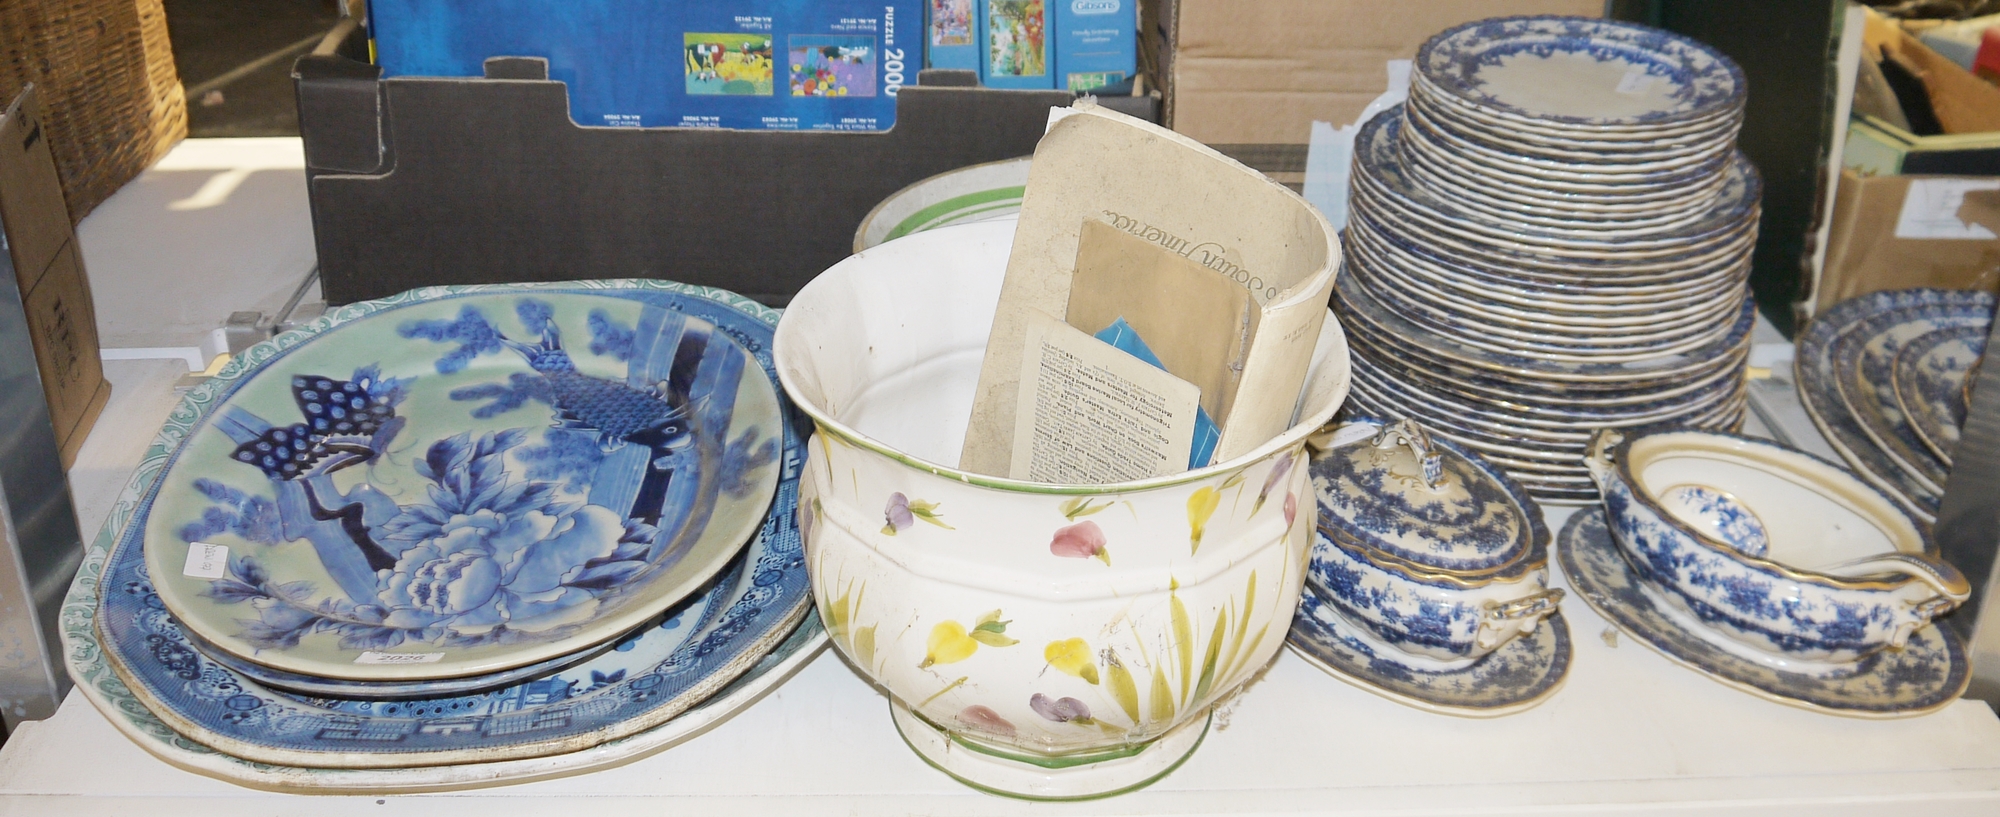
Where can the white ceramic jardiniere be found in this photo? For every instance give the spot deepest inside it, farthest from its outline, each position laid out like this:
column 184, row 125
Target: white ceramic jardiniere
column 1771, row 553
column 1041, row 640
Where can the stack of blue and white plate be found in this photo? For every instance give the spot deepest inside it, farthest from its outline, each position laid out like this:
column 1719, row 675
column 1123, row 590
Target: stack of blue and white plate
column 459, row 536
column 1553, row 236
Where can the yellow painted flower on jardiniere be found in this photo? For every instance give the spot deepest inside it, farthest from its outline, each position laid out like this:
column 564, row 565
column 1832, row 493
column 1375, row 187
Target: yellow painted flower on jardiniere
column 1072, row 656
column 1200, row 506
column 950, row 642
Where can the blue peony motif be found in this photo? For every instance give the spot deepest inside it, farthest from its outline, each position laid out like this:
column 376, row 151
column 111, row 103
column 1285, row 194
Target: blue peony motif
column 486, row 559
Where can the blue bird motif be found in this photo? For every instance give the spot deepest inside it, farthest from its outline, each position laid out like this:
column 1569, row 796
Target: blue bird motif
column 618, row 412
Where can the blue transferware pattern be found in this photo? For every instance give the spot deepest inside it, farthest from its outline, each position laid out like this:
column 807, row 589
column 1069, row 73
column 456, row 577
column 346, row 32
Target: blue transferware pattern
column 1523, row 272
column 1379, row 162
column 534, row 508
column 1521, row 673
column 762, row 596
column 1813, row 370
column 1694, row 81
column 1361, row 314
column 1437, row 130
column 1424, row 501
column 1927, row 674
column 1432, row 550
column 1761, row 607
column 1930, row 377
column 1864, row 369
column 1556, row 422
column 1719, row 515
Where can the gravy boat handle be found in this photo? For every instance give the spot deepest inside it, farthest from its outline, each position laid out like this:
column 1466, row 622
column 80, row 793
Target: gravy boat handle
column 1950, row 584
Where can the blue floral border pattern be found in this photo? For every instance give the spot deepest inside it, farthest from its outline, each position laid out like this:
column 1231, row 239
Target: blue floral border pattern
column 1813, row 369
column 1705, row 82
column 774, row 603
column 1927, row 674
column 1379, row 152
column 1519, row 674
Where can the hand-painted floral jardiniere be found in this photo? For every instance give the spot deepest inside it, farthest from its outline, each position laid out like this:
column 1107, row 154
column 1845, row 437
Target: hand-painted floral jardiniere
column 1058, row 629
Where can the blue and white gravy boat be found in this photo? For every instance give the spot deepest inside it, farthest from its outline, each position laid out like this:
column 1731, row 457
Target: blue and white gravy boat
column 1426, row 548
column 1843, row 571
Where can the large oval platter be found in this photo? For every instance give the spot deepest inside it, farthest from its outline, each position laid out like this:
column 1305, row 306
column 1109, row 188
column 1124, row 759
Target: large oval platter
column 130, row 658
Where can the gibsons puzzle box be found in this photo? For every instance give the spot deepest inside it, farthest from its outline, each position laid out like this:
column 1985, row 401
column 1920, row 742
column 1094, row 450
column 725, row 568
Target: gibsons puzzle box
column 748, row 64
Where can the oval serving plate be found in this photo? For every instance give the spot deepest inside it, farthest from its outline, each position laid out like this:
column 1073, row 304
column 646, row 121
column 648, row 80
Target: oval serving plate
column 113, row 621
column 462, row 485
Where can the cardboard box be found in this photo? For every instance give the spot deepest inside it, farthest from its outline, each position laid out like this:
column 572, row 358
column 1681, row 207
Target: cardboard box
column 1880, row 239
column 1250, row 78
column 428, row 181
column 49, row 272
column 754, row 64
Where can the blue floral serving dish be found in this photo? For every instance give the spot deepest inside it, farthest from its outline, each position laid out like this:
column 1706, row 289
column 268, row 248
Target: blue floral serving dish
column 465, row 485
column 1430, row 550
column 1811, row 569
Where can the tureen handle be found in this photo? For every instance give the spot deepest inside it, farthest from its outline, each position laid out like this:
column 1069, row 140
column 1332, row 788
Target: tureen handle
column 1503, row 621
column 1599, row 460
column 1406, row 432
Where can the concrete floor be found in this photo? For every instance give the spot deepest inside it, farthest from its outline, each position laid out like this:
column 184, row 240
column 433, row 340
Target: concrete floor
column 213, row 38
column 217, row 226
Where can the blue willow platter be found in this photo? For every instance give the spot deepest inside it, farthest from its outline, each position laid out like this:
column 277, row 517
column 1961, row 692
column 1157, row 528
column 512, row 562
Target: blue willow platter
column 1520, row 674
column 1816, row 372
column 462, row 485
column 1930, row 380
column 128, row 654
column 1927, row 674
column 1864, row 371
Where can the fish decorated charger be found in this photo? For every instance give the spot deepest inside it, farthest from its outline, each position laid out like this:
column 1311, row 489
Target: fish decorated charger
column 463, row 485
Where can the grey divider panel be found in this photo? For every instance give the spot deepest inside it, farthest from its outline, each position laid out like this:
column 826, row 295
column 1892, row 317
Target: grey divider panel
column 488, row 180
column 1968, row 523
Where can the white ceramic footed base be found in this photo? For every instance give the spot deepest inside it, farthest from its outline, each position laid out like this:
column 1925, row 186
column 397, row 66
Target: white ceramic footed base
column 991, row 772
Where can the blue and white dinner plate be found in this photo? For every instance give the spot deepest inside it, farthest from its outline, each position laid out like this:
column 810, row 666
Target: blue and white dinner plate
column 1929, row 377
column 1355, row 304
column 1379, row 163
column 128, row 654
column 1582, row 73
column 1928, row 674
column 1520, row 674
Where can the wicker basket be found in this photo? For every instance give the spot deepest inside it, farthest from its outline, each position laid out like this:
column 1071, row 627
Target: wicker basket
column 112, row 100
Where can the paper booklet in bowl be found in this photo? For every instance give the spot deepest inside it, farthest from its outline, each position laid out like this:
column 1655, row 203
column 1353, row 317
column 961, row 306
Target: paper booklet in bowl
column 1038, row 638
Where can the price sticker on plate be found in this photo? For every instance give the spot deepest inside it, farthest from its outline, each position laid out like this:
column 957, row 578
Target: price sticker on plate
column 372, row 657
column 206, row 561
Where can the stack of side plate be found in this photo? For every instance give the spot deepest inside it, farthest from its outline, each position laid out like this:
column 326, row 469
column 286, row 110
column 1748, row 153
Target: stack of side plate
column 1886, row 377
column 462, row 534
column 1550, row 237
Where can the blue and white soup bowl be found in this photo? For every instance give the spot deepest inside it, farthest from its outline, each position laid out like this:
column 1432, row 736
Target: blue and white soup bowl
column 1427, row 549
column 1811, row 571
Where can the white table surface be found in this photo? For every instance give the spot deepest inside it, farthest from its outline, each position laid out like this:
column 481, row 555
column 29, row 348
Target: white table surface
column 1630, row 733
